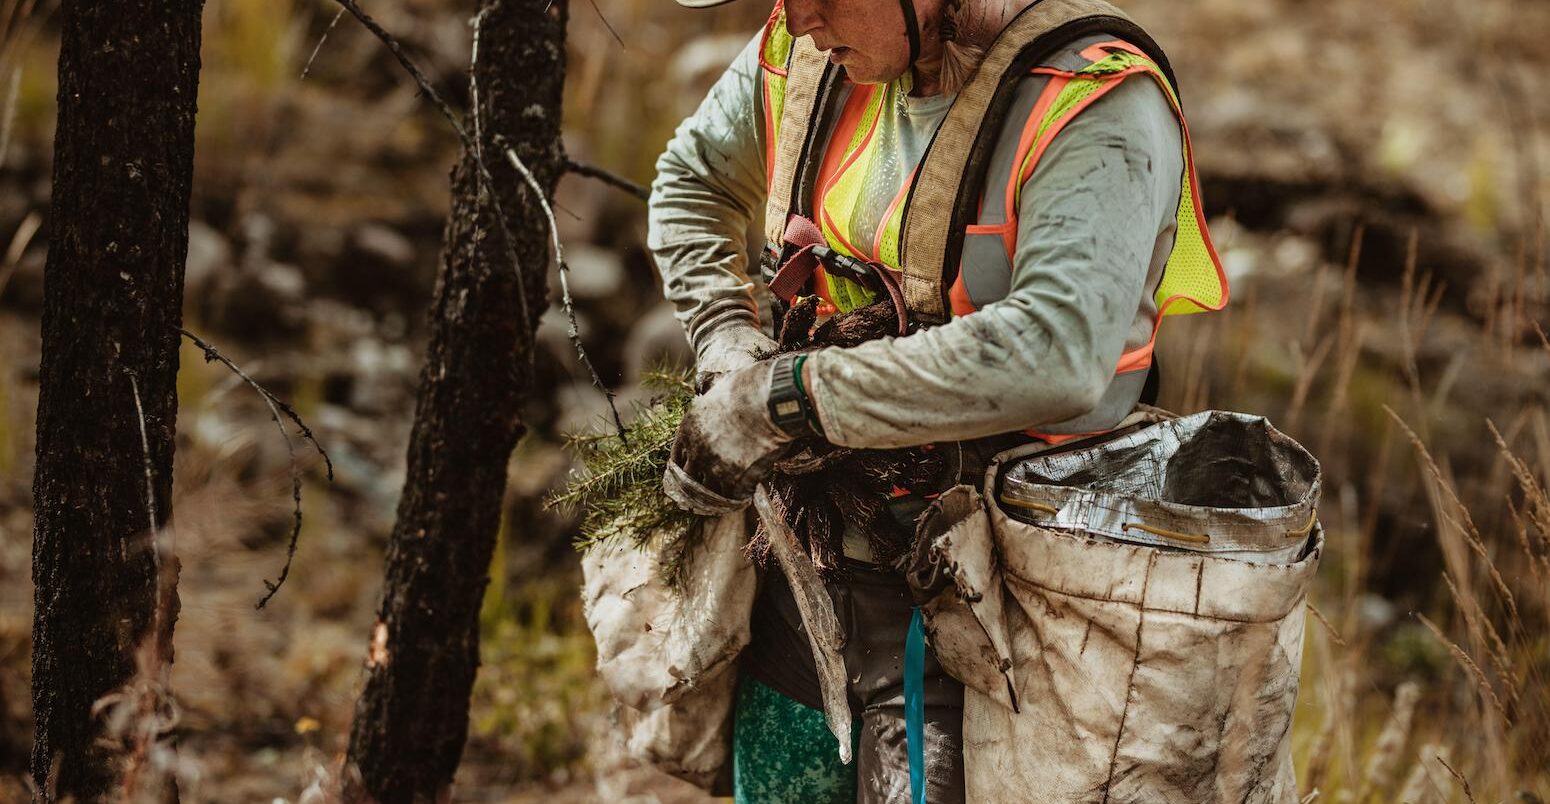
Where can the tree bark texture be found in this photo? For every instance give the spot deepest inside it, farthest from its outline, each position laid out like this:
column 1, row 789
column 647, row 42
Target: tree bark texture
column 411, row 720
column 113, row 293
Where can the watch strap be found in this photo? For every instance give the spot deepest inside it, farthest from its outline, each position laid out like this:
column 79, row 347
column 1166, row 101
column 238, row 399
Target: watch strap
column 787, row 405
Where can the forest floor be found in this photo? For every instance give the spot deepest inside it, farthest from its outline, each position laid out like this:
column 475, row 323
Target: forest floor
column 1375, row 175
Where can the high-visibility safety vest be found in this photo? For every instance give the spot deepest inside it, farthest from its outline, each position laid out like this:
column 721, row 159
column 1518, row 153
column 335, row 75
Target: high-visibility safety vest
column 950, row 232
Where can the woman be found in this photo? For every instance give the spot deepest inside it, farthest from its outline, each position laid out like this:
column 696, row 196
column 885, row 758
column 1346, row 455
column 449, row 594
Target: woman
column 1085, row 224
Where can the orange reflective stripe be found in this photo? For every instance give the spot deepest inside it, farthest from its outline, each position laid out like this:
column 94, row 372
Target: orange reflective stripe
column 1050, row 438
column 770, row 73
column 1025, row 143
column 1109, row 82
column 1099, row 51
column 958, row 297
column 835, row 158
column 1137, row 358
column 841, row 138
column 776, row 18
column 844, row 132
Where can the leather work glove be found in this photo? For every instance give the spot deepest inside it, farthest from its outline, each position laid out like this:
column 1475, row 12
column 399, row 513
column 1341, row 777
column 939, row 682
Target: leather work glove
column 727, row 442
column 729, row 347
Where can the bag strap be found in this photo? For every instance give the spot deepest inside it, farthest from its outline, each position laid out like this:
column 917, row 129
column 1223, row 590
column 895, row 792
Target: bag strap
column 951, row 175
column 809, row 81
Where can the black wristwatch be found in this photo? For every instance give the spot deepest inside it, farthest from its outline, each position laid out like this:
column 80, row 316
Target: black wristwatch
column 787, row 403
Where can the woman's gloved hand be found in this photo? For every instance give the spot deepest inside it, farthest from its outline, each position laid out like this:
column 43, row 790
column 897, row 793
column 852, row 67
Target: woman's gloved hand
column 726, row 443
column 729, row 347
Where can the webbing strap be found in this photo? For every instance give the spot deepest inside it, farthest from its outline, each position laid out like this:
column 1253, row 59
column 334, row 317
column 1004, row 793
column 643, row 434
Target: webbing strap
column 805, row 80
column 943, row 179
column 915, row 705
column 793, row 275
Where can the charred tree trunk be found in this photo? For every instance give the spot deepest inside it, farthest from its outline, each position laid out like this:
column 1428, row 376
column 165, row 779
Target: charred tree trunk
column 113, row 293
column 412, row 717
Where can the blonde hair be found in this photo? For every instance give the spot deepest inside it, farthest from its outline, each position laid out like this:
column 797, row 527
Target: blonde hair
column 962, row 53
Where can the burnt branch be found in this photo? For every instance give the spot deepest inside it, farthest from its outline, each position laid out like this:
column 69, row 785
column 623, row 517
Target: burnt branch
column 554, row 230
column 613, row 180
column 470, row 144
column 277, row 406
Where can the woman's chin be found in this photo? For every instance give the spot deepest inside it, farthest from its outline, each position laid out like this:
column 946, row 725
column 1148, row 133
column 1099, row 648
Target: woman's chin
column 862, row 73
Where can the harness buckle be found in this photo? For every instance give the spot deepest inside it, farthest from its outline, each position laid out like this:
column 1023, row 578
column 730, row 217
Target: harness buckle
column 837, row 264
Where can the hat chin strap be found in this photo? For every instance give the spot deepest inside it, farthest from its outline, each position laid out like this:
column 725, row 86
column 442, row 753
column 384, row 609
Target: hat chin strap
column 911, row 29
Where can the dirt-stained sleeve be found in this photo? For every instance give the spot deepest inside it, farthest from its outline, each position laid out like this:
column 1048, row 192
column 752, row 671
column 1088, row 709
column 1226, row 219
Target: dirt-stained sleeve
column 1090, row 219
column 709, row 185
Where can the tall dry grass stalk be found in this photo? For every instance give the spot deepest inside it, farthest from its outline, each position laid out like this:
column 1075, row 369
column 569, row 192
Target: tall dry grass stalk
column 1385, row 756
column 1503, row 617
column 1420, row 786
column 1365, row 378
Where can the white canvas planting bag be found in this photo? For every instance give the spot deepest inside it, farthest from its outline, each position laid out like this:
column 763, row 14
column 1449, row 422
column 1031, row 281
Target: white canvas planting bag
column 666, row 654
column 1127, row 618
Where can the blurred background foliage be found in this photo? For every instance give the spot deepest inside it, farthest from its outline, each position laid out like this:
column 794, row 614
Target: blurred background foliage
column 1375, row 174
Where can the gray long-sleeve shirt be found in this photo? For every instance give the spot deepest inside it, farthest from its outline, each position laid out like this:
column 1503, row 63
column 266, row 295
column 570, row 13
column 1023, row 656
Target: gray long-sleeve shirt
column 1095, row 226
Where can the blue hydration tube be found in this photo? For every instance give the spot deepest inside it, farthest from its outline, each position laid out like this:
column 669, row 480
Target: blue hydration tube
column 915, row 705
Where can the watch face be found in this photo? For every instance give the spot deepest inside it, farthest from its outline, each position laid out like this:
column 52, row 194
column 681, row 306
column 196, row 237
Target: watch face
column 785, row 401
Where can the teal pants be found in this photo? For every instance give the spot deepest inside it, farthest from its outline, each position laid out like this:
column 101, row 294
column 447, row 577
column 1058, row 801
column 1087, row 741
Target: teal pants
column 782, row 752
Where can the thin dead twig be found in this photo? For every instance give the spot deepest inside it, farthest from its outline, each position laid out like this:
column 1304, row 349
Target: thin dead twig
column 150, row 486
column 277, row 406
column 143, row 710
column 472, row 146
column 8, row 116
column 564, row 271
column 611, row 179
column 608, row 25
column 473, row 83
column 19, row 241
column 306, row 68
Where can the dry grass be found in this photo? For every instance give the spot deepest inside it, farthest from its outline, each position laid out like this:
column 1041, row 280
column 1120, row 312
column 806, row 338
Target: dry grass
column 1448, row 702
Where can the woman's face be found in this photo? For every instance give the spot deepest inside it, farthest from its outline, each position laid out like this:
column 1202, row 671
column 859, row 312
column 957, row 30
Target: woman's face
column 866, row 37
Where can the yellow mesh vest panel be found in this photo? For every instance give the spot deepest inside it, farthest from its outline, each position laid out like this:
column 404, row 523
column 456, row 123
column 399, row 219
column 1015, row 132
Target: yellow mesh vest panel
column 1192, row 281
column 893, row 227
column 776, row 52
column 843, row 199
column 839, row 203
